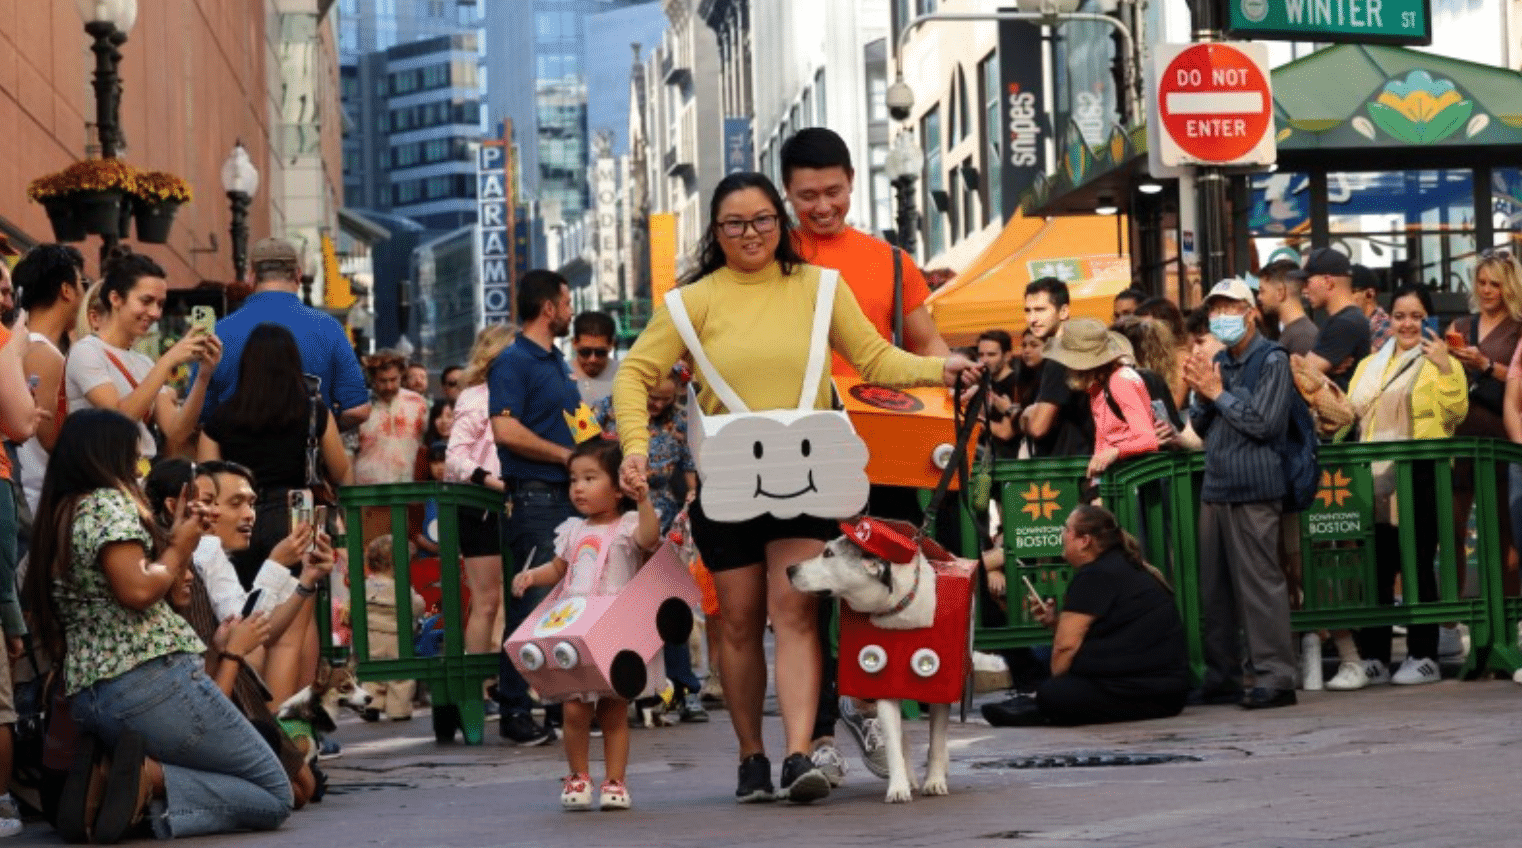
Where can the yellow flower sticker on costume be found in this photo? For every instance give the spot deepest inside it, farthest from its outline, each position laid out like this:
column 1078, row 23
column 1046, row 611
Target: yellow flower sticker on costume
column 583, row 424
column 560, row 616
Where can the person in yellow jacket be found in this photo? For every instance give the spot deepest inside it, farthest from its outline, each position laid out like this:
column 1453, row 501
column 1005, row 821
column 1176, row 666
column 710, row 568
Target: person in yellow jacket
column 751, row 303
column 1410, row 388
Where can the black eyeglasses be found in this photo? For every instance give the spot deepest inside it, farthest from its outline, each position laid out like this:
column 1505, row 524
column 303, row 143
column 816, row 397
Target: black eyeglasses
column 762, row 224
column 592, row 352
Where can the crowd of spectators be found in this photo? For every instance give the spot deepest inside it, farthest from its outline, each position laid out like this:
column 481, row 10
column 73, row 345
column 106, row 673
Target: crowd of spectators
column 149, row 576
column 1366, row 374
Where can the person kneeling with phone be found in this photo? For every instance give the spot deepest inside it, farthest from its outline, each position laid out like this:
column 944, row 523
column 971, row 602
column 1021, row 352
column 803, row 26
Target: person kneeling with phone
column 1118, row 649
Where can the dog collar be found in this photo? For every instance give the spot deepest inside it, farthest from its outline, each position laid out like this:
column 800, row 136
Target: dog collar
column 903, row 604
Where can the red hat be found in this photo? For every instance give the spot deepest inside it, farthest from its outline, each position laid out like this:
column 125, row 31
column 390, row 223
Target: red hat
column 894, row 541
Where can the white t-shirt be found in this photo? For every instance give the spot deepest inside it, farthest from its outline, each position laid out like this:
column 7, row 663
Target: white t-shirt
column 89, row 367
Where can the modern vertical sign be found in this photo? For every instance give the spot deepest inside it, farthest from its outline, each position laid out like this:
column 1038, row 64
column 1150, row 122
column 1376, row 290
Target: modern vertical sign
column 1024, row 122
column 494, row 228
column 737, row 145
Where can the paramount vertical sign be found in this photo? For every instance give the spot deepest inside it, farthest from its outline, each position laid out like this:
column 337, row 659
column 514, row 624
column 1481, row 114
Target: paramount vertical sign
column 494, row 228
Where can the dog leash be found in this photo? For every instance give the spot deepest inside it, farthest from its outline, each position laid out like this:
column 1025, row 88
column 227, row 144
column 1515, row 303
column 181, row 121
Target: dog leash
column 963, row 426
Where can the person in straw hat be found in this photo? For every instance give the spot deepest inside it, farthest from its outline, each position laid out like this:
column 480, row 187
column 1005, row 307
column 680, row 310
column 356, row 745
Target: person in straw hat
column 1098, row 362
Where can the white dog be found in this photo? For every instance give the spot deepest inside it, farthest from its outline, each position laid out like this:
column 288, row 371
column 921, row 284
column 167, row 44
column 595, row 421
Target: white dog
column 897, row 597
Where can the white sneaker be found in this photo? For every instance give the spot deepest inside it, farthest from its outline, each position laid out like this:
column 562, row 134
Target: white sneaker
column 1452, row 642
column 10, row 827
column 868, row 734
column 1516, row 676
column 828, row 760
column 1417, row 670
column 1310, row 662
column 1350, row 677
column 1376, row 671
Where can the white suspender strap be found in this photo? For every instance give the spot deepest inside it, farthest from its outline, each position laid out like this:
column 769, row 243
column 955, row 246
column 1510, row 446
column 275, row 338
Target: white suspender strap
column 819, row 341
column 683, row 323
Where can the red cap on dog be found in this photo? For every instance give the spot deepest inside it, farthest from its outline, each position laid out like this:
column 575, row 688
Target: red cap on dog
column 893, row 541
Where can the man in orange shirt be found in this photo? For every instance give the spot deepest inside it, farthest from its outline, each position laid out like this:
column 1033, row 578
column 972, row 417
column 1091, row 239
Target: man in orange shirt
column 817, row 177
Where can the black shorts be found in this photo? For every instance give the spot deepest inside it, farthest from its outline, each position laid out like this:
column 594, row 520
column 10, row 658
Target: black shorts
column 726, row 545
column 480, row 533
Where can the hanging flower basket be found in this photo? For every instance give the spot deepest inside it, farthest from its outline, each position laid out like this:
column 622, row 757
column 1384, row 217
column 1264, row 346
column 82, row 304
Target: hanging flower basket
column 156, row 197
column 94, row 190
column 154, row 220
column 101, row 211
column 67, row 226
column 90, row 175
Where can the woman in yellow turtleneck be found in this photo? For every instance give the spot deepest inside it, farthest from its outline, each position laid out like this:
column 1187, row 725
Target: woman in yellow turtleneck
column 752, row 303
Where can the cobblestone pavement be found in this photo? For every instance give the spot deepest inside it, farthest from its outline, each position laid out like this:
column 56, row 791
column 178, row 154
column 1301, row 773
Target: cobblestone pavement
column 1389, row 766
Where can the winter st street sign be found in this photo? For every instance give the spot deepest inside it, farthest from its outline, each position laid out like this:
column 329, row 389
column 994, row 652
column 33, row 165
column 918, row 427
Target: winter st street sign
column 1341, row 21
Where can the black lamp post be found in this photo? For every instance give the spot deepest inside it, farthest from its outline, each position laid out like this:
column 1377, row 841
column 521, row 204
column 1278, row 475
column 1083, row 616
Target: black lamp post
column 108, row 22
column 240, row 179
column 905, row 161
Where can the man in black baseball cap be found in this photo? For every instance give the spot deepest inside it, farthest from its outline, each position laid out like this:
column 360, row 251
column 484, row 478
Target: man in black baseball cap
column 1344, row 337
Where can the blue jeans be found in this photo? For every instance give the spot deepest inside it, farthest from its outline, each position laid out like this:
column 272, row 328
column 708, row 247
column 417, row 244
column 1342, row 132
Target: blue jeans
column 219, row 773
column 531, row 540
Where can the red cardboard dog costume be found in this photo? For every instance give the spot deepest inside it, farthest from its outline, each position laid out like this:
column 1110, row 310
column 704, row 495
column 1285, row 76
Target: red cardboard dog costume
column 928, row 664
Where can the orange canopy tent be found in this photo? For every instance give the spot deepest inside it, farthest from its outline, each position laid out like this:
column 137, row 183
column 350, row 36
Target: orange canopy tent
column 1084, row 250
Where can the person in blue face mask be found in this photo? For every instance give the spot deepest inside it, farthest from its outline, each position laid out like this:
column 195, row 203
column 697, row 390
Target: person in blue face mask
column 1241, row 410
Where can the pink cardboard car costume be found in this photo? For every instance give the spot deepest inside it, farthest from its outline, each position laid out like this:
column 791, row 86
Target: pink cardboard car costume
column 604, row 643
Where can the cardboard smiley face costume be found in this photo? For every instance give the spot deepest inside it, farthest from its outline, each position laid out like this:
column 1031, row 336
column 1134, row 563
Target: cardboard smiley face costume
column 785, row 462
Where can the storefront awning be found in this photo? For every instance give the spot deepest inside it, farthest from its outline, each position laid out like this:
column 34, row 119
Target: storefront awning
column 1347, row 107
column 1087, row 252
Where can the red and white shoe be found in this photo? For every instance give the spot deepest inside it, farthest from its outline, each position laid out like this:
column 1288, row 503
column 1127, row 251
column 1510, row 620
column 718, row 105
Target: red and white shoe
column 614, row 795
column 576, row 792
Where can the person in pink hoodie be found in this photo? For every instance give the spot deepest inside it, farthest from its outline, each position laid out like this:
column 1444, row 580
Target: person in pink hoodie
column 1098, row 361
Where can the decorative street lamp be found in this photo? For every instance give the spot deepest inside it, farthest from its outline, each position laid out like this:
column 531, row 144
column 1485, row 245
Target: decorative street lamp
column 108, row 22
column 905, row 161
column 240, row 179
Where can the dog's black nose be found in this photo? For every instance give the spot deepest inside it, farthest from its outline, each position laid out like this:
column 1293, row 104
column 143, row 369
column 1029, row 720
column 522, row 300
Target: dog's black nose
column 792, row 571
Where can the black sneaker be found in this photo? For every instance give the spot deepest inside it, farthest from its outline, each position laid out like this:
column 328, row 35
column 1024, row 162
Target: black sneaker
column 1019, row 711
column 755, row 780
column 520, row 728
column 802, row 781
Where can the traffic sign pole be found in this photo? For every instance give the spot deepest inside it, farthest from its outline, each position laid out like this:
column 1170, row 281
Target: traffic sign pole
column 1210, row 182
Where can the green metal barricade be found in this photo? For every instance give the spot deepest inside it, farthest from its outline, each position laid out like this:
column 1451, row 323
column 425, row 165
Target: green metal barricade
column 1035, row 497
column 1156, row 498
column 454, row 677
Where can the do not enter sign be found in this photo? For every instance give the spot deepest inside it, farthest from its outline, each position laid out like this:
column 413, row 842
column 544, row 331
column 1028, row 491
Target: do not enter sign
column 1214, row 104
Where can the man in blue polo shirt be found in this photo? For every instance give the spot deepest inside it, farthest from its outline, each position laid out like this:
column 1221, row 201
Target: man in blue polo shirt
column 531, row 392
column 326, row 351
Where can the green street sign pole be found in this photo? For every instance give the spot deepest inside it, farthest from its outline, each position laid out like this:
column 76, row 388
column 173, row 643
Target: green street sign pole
column 1404, row 22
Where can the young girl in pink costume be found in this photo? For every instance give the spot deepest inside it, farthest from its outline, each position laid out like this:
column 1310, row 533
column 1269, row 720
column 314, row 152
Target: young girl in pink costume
column 598, row 554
